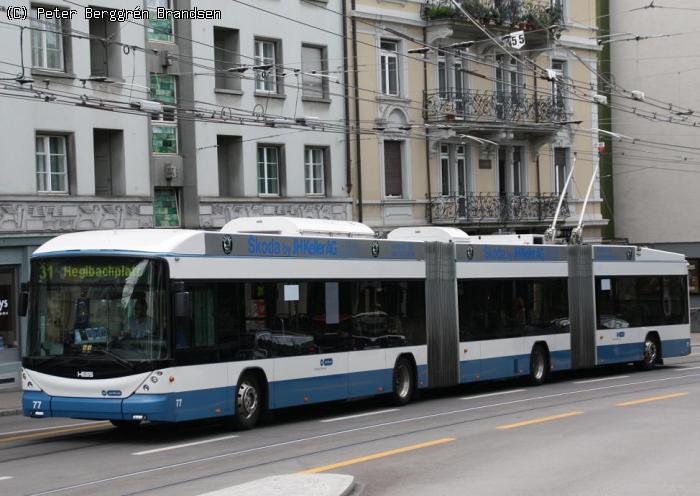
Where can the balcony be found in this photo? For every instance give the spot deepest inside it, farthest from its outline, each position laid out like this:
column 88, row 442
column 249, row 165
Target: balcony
column 497, row 109
column 529, row 15
column 494, row 208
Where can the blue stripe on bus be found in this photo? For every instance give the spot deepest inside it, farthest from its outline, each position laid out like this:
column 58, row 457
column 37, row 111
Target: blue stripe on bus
column 205, row 403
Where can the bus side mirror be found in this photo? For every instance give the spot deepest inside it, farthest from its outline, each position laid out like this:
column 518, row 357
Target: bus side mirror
column 23, row 300
column 183, row 301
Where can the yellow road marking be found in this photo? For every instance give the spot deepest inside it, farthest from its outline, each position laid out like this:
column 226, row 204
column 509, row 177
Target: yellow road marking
column 376, row 456
column 538, row 420
column 51, row 433
column 653, row 398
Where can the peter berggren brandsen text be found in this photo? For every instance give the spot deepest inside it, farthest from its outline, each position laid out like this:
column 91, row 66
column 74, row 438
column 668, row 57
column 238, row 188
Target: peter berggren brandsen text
column 123, row 15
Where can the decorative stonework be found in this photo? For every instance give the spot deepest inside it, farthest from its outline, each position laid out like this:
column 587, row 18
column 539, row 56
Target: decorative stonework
column 214, row 215
column 42, row 217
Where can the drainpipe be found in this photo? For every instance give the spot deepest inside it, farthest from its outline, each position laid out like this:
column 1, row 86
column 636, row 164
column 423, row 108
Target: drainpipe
column 427, row 130
column 346, row 102
column 358, row 150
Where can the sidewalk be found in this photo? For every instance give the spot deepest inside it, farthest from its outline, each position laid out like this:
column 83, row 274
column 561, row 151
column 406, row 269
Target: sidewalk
column 10, row 403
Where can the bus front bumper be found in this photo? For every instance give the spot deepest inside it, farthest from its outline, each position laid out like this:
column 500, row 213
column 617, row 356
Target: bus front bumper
column 153, row 407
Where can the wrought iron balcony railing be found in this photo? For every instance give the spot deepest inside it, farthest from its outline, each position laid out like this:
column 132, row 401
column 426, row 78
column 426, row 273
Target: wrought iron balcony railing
column 496, row 208
column 494, row 106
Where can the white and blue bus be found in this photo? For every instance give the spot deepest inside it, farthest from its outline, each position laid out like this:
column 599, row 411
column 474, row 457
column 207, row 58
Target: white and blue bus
column 174, row 325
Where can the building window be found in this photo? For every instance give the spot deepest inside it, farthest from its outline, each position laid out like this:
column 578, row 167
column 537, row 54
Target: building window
column 229, row 155
column 166, row 207
column 108, row 147
column 163, row 88
column 226, row 56
column 559, row 69
column 159, row 29
column 389, row 64
column 442, row 75
column 314, row 68
column 105, row 57
column 560, row 168
column 693, row 273
column 164, row 125
column 51, row 164
column 461, row 161
column 445, row 169
column 47, row 43
column 518, row 171
column 393, row 169
column 266, row 57
column 315, row 171
column 268, row 170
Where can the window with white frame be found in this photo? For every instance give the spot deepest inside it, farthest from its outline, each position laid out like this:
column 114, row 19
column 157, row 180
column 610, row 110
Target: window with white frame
column 442, row 75
column 314, row 170
column 559, row 69
column 445, row 169
column 461, row 163
column 160, row 30
column 389, row 66
column 47, row 43
column 51, row 164
column 268, row 170
column 560, row 168
column 266, row 56
column 518, row 171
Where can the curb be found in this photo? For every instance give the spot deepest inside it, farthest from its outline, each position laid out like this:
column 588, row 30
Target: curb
column 10, row 411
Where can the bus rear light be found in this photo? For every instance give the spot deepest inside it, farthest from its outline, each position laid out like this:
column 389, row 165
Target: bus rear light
column 171, row 379
column 146, row 388
column 154, row 379
column 159, row 373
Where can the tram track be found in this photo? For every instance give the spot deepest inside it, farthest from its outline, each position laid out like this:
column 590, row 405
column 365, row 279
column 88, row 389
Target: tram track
column 561, row 399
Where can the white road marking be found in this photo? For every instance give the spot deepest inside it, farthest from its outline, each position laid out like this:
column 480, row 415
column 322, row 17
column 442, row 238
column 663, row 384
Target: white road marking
column 499, row 393
column 602, row 379
column 6, row 477
column 348, row 431
column 681, row 369
column 184, row 445
column 39, row 429
column 347, row 417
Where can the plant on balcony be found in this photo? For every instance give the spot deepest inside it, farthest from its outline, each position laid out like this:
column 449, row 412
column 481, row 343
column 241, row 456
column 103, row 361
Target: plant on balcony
column 438, row 11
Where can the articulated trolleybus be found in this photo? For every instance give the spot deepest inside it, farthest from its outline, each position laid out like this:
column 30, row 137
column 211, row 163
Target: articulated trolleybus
column 173, row 325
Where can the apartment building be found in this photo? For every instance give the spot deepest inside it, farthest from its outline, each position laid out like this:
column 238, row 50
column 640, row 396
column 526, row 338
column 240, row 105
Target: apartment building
column 164, row 123
column 654, row 163
column 466, row 133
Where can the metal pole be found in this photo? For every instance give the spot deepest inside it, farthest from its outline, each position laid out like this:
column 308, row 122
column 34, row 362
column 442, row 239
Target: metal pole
column 551, row 232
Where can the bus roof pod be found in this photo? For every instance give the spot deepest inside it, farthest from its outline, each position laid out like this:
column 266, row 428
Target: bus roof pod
column 297, row 226
column 429, row 233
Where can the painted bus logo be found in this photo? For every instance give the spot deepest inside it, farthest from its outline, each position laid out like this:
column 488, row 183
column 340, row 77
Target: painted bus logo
column 326, row 362
column 227, row 244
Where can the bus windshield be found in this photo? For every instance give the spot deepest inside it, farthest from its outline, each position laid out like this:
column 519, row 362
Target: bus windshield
column 111, row 307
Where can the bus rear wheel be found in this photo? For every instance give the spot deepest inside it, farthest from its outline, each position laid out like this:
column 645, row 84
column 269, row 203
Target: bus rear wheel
column 248, row 403
column 539, row 364
column 403, row 382
column 651, row 353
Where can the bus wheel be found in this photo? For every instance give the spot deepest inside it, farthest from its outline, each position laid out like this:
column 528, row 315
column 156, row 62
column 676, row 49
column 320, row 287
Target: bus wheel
column 651, row 353
column 539, row 362
column 126, row 425
column 248, row 403
column 403, row 382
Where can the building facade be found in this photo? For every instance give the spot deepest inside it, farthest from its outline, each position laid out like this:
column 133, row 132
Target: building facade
column 140, row 123
column 467, row 133
column 656, row 186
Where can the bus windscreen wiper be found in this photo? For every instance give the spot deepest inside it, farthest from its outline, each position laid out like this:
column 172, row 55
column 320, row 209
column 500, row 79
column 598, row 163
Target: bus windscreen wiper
column 116, row 358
